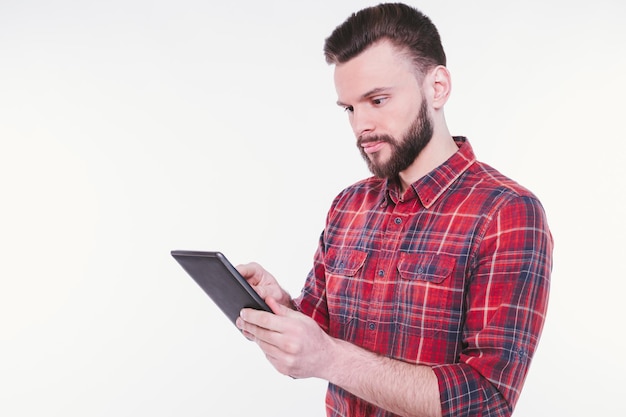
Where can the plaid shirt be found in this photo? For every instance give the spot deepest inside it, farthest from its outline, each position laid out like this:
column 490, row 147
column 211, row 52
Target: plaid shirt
column 454, row 274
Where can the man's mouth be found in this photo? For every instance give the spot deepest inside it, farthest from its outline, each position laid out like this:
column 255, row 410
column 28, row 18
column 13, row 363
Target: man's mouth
column 371, row 147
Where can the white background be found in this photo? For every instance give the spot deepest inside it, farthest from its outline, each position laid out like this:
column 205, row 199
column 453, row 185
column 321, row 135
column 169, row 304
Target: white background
column 130, row 128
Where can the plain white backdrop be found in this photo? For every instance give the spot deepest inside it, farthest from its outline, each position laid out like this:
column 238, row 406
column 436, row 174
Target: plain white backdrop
column 131, row 128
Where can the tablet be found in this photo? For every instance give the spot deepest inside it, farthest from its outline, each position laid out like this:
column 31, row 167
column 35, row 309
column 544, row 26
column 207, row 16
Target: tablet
column 220, row 281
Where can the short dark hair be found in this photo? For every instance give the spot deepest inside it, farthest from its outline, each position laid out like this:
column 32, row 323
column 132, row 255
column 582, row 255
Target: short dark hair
column 405, row 27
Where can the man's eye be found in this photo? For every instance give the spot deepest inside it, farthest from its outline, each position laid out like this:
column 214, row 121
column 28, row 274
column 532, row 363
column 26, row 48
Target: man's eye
column 378, row 101
column 349, row 109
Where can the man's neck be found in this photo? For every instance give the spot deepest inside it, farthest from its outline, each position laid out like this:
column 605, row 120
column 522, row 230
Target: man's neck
column 439, row 150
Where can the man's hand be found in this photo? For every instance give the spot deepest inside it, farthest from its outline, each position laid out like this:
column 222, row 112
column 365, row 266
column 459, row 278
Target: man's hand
column 293, row 342
column 264, row 283
column 296, row 346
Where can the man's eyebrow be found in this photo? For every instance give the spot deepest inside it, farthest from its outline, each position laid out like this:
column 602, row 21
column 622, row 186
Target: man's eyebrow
column 368, row 94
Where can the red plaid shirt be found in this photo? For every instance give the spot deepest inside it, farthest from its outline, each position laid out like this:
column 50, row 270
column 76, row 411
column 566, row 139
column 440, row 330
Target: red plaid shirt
column 453, row 274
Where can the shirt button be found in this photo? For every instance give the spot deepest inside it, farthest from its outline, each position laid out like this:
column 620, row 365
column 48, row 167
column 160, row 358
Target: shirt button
column 372, row 326
column 398, row 220
column 381, row 273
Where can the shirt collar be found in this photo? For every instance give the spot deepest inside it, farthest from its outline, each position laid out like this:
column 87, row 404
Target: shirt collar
column 435, row 183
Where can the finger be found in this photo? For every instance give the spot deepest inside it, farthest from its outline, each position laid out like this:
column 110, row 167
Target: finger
column 277, row 308
column 254, row 333
column 264, row 326
column 267, row 339
column 273, row 304
column 251, row 272
column 241, row 325
column 258, row 318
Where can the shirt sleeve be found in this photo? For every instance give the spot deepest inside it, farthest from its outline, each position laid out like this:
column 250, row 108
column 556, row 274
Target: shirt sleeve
column 506, row 300
column 312, row 299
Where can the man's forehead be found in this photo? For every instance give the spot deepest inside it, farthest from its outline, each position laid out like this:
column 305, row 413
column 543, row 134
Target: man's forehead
column 378, row 68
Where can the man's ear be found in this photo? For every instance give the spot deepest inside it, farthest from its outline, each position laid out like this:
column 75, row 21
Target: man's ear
column 441, row 84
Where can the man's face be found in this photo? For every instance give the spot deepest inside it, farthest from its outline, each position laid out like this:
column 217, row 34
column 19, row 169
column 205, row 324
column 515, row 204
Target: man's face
column 403, row 150
column 387, row 112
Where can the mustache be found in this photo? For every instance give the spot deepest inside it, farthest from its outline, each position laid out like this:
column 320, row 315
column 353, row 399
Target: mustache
column 377, row 138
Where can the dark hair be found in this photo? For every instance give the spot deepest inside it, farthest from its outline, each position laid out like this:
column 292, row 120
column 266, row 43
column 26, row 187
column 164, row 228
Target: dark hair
column 406, row 27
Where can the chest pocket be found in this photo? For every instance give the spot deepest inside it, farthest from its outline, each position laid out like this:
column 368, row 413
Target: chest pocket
column 424, row 295
column 420, row 268
column 344, row 291
column 346, row 263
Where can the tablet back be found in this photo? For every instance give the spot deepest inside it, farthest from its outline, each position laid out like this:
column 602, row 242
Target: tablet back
column 220, row 281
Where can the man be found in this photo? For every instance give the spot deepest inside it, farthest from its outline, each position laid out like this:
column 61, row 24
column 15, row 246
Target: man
column 430, row 284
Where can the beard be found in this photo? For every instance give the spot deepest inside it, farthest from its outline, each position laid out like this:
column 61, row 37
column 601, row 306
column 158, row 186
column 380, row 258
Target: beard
column 403, row 151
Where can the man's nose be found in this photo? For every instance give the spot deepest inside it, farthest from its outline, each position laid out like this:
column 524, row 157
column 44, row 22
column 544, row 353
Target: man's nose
column 362, row 122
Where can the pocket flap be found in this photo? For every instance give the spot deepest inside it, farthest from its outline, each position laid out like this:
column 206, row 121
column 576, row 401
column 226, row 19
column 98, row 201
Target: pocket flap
column 429, row 268
column 345, row 263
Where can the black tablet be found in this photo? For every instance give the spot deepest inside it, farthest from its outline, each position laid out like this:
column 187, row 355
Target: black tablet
column 221, row 281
